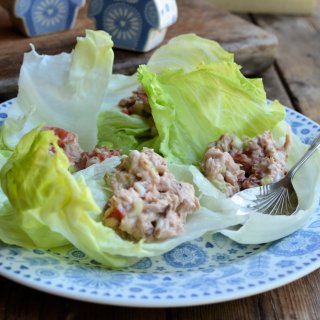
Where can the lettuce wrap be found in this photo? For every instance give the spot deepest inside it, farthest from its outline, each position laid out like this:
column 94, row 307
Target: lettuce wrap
column 262, row 228
column 50, row 207
column 194, row 98
column 44, row 205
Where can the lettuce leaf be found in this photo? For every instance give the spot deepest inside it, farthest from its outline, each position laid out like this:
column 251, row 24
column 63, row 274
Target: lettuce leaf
column 187, row 52
column 65, row 90
column 38, row 185
column 190, row 109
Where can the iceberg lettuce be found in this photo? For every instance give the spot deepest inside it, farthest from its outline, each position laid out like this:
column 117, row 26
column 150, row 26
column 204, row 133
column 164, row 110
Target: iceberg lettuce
column 191, row 109
column 120, row 130
column 65, row 90
column 194, row 97
column 38, row 184
column 186, row 52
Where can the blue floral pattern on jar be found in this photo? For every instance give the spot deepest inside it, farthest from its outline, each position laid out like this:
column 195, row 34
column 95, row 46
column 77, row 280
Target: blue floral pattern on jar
column 124, row 24
column 150, row 12
column 133, row 24
column 49, row 14
column 46, row 16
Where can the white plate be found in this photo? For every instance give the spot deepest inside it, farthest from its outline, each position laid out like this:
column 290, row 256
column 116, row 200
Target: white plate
column 210, row 269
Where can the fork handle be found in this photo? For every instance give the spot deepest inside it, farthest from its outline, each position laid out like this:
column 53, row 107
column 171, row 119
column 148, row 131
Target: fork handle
column 313, row 147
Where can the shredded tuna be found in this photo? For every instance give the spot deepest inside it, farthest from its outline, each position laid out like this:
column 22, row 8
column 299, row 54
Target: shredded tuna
column 148, row 202
column 235, row 166
column 136, row 104
column 98, row 155
column 78, row 158
column 220, row 168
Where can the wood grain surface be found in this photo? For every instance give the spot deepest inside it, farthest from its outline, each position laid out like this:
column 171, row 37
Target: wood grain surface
column 298, row 60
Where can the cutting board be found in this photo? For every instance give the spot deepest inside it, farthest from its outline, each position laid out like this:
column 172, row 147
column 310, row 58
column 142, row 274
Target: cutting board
column 254, row 48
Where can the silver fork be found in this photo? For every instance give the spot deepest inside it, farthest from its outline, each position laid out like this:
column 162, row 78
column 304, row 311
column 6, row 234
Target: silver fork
column 277, row 198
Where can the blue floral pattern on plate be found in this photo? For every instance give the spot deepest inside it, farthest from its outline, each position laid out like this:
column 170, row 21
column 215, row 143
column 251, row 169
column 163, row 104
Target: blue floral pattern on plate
column 207, row 270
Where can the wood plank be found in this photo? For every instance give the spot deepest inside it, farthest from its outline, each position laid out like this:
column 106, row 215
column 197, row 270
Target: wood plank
column 254, row 48
column 19, row 302
column 298, row 300
column 271, row 6
column 298, row 61
column 274, row 87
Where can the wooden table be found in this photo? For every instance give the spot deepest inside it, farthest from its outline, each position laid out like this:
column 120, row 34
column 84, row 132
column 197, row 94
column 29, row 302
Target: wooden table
column 294, row 79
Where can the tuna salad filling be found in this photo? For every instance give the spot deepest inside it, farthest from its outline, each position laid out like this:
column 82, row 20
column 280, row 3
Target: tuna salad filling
column 148, row 202
column 138, row 104
column 78, row 158
column 234, row 165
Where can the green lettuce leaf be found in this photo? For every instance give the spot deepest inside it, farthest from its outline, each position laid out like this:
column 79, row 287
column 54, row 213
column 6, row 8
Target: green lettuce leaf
column 65, row 90
column 190, row 109
column 38, row 185
column 186, row 52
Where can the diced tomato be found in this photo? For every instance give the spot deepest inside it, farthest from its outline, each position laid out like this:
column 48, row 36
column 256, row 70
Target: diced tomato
column 61, row 133
column 117, row 214
column 65, row 137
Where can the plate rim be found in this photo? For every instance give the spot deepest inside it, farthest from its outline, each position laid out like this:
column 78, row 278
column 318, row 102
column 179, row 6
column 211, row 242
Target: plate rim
column 141, row 303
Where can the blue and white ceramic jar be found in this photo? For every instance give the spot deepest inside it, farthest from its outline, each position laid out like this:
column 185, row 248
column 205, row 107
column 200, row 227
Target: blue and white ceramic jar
column 39, row 17
column 138, row 25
